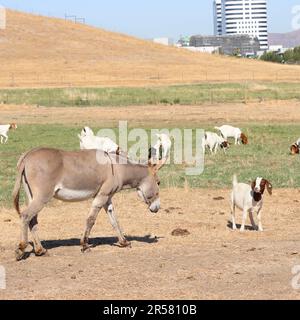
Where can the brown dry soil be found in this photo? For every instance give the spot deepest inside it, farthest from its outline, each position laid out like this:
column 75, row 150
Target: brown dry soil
column 211, row 262
column 163, row 115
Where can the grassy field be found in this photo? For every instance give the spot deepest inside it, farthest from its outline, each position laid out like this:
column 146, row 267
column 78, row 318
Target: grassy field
column 267, row 155
column 179, row 95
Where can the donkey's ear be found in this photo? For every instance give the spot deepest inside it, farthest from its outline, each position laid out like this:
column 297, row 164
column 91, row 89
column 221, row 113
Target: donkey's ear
column 269, row 188
column 155, row 166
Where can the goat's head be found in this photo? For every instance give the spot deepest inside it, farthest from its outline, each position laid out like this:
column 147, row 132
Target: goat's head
column 294, row 149
column 148, row 189
column 86, row 131
column 224, row 145
column 244, row 138
column 13, row 126
column 259, row 184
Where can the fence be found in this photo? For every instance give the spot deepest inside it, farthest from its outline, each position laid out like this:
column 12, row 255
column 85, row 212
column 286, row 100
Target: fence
column 72, row 79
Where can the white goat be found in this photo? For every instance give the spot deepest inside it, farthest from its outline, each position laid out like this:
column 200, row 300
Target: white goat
column 89, row 141
column 232, row 132
column 213, row 142
column 249, row 198
column 163, row 144
column 4, row 131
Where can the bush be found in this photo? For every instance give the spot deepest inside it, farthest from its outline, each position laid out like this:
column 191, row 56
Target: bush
column 272, row 57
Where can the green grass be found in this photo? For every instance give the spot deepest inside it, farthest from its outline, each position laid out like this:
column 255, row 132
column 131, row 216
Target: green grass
column 180, row 94
column 267, row 155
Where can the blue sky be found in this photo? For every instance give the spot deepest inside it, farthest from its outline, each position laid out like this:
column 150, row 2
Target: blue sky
column 150, row 18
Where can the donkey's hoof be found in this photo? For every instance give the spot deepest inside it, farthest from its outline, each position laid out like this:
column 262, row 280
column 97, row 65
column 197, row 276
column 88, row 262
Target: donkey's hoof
column 41, row 252
column 20, row 254
column 125, row 244
column 86, row 249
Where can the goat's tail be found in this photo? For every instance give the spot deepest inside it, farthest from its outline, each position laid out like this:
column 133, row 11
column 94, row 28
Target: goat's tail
column 217, row 128
column 234, row 180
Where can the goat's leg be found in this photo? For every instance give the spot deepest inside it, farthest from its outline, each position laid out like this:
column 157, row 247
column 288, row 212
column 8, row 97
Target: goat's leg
column 252, row 220
column 1, row 139
column 109, row 208
column 26, row 216
column 260, row 227
column 233, row 216
column 244, row 217
column 6, row 138
column 97, row 204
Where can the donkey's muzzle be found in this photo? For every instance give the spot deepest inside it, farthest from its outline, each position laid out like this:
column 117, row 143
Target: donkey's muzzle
column 155, row 206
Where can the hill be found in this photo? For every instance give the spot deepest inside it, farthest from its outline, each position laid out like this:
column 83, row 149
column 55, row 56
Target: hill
column 37, row 51
column 288, row 40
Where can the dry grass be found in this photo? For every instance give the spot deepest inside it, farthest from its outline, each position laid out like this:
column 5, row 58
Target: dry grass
column 38, row 51
column 156, row 116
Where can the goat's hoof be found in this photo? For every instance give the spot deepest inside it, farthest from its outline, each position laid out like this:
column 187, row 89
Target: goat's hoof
column 41, row 252
column 125, row 244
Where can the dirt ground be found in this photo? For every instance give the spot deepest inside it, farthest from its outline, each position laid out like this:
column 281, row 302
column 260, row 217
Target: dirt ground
column 212, row 262
column 163, row 115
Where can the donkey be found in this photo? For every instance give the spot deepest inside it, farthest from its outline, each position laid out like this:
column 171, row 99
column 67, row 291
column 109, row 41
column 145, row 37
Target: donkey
column 77, row 176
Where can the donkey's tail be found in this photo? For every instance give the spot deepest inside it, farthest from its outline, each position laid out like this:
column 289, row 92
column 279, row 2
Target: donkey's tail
column 16, row 191
column 20, row 173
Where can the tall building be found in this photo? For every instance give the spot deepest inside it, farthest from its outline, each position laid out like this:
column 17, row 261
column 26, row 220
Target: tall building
column 217, row 6
column 245, row 17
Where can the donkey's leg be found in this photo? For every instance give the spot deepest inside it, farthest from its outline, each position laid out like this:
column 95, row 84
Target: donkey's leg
column 97, row 204
column 26, row 216
column 38, row 248
column 109, row 208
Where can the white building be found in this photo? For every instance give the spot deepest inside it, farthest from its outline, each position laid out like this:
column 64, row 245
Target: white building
column 245, row 17
column 164, row 41
column 217, row 7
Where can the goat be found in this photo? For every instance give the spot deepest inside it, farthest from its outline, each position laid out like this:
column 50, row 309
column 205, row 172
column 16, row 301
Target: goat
column 161, row 149
column 77, row 176
column 213, row 142
column 232, row 132
column 4, row 131
column 89, row 141
column 248, row 198
column 295, row 148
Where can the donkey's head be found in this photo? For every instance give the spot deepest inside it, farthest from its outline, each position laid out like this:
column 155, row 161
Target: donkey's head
column 148, row 189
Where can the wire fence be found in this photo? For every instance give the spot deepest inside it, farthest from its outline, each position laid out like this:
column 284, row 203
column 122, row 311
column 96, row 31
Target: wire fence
column 68, row 79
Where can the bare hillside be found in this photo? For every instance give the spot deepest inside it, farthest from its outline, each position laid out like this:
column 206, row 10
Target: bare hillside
column 42, row 51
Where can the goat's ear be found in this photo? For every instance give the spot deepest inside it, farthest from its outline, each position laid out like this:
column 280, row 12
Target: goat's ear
column 79, row 136
column 269, row 187
column 253, row 183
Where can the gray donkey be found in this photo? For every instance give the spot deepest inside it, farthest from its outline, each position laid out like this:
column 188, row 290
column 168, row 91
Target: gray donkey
column 77, row 176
